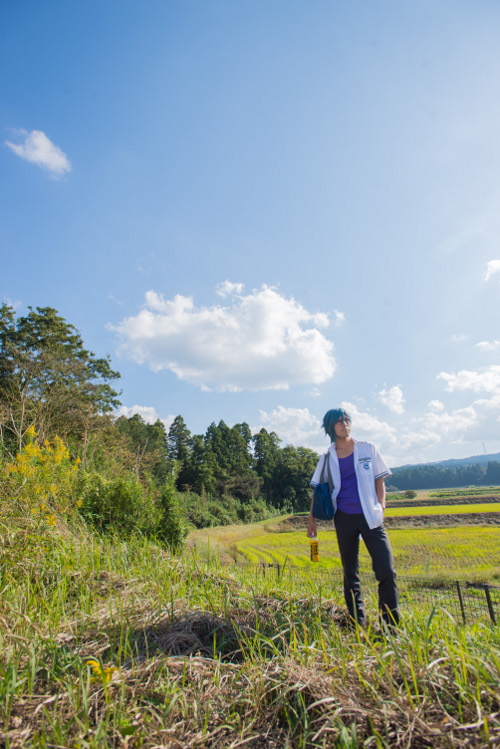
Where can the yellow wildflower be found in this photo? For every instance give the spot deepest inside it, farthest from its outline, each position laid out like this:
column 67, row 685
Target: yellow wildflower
column 105, row 675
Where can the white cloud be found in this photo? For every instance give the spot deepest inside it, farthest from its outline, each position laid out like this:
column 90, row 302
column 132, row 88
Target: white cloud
column 459, row 338
column 294, row 425
column 488, row 404
column 485, row 379
column 393, row 399
column 410, row 440
column 315, row 393
column 488, row 345
column 39, row 149
column 488, row 416
column 367, row 426
column 16, row 304
column 419, row 439
column 435, row 405
column 493, row 267
column 339, row 317
column 263, row 341
column 148, row 413
column 228, row 288
column 442, row 423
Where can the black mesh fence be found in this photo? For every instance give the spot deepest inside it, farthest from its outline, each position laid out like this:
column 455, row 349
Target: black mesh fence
column 465, row 601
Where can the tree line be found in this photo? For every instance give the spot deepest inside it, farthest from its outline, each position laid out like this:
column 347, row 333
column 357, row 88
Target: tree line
column 430, row 476
column 133, row 475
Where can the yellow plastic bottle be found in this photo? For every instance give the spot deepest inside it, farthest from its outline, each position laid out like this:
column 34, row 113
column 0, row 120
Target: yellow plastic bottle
column 314, row 549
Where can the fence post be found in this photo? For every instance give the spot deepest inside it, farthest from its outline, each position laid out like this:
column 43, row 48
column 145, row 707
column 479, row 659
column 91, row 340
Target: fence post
column 490, row 604
column 461, row 600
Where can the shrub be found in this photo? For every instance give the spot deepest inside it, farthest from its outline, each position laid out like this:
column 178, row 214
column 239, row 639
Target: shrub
column 39, row 486
column 120, row 505
column 172, row 528
column 410, row 494
column 38, row 504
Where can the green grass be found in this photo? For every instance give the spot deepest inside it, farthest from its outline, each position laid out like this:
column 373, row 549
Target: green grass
column 466, row 492
column 395, row 511
column 223, row 540
column 112, row 643
column 105, row 643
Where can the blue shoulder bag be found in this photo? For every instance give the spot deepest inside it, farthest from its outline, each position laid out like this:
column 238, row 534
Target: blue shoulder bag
column 322, row 508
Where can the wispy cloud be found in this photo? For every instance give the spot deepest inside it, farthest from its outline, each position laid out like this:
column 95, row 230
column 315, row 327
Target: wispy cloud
column 297, row 426
column 369, row 426
column 16, row 304
column 493, row 267
column 393, row 399
column 228, row 288
column 38, row 149
column 435, row 405
column 262, row 341
column 444, row 422
column 484, row 379
column 148, row 413
column 488, row 345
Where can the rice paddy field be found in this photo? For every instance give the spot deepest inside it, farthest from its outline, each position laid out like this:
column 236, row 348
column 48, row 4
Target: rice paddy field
column 473, row 552
column 457, row 551
column 394, row 511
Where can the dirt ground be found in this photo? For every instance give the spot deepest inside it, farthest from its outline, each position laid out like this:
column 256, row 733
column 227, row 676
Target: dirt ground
column 299, row 522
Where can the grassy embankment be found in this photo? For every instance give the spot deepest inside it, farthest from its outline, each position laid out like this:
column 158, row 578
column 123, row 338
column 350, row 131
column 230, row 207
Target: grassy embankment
column 107, row 643
column 112, row 644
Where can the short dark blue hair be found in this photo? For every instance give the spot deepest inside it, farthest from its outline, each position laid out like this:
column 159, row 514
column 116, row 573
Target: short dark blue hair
column 330, row 418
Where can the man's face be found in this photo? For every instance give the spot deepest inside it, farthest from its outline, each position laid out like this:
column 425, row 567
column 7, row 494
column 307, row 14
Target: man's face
column 343, row 427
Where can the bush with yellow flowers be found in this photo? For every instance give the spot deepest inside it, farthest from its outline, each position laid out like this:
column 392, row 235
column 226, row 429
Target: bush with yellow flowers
column 44, row 499
column 38, row 488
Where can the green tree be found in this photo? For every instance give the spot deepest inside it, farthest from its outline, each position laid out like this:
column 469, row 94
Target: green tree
column 492, row 472
column 48, row 379
column 172, row 528
column 148, row 443
column 294, row 471
column 179, row 448
column 227, row 461
column 266, row 460
column 196, row 472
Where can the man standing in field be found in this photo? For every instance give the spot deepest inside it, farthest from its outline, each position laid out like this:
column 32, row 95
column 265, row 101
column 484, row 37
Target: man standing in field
column 358, row 472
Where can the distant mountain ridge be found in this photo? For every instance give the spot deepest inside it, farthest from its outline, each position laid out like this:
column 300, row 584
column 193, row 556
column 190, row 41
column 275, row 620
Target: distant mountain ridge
column 453, row 462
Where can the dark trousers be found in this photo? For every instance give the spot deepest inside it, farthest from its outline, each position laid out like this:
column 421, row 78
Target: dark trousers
column 349, row 528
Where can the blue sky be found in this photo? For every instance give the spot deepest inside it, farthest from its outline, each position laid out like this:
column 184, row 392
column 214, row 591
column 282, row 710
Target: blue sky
column 262, row 210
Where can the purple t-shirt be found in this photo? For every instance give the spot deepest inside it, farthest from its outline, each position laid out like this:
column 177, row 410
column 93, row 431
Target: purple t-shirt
column 348, row 496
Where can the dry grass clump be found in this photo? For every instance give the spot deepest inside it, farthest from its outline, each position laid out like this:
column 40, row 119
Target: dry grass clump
column 201, row 702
